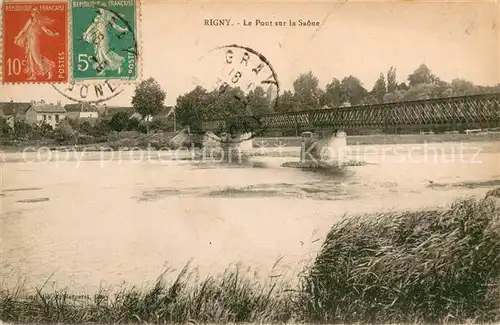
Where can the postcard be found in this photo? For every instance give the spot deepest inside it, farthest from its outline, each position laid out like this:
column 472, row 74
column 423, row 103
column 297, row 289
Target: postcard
column 249, row 162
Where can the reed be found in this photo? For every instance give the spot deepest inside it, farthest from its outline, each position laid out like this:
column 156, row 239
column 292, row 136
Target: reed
column 429, row 266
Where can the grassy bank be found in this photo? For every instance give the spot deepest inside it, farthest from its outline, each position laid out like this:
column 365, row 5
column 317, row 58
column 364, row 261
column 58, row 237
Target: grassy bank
column 433, row 266
column 113, row 141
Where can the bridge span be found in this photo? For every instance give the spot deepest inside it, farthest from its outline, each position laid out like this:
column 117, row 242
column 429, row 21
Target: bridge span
column 330, row 125
column 465, row 111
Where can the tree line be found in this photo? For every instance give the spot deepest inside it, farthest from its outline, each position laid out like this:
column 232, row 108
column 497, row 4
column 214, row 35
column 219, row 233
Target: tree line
column 201, row 104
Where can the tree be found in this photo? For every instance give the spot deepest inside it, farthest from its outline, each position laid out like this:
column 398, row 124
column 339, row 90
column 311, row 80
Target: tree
column 370, row 100
column 352, row 90
column 395, row 96
column 490, row 89
column 5, row 130
column 101, row 128
column 258, row 103
column 306, row 91
column 403, row 86
column 191, row 108
column 379, row 89
column 438, row 88
column 22, row 130
column 392, row 84
column 119, row 121
column 474, row 90
column 333, row 94
column 285, row 102
column 448, row 93
column 422, row 75
column 148, row 99
column 227, row 103
column 63, row 132
column 459, row 87
column 418, row 92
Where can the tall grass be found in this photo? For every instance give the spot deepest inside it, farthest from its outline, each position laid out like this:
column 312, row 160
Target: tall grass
column 234, row 296
column 430, row 266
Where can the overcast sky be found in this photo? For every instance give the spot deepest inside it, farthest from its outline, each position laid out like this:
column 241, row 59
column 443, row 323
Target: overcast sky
column 455, row 40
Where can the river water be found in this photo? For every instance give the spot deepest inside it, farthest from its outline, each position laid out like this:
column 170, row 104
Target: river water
column 85, row 220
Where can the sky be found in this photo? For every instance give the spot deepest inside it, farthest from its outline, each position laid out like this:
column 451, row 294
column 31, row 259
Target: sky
column 363, row 39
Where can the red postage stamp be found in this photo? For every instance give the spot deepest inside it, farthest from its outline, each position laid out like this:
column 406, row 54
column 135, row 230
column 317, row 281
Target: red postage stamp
column 35, row 42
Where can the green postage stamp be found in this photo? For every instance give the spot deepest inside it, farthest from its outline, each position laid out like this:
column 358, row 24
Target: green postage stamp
column 105, row 42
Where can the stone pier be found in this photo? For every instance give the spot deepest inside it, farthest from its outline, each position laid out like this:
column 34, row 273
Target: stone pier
column 233, row 148
column 326, row 147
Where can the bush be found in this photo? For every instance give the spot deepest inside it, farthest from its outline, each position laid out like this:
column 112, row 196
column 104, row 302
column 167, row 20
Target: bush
column 22, row 130
column 101, row 128
column 160, row 124
column 46, row 130
column 64, row 133
column 84, row 139
column 5, row 129
column 133, row 124
column 85, row 127
column 429, row 266
column 143, row 127
column 112, row 136
column 119, row 121
column 73, row 122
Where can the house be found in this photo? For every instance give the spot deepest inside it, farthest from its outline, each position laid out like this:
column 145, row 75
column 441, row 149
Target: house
column 10, row 121
column 164, row 112
column 41, row 112
column 81, row 111
column 13, row 108
column 107, row 112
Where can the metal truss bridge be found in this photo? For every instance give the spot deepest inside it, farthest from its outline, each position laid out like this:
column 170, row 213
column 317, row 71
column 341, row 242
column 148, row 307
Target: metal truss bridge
column 466, row 111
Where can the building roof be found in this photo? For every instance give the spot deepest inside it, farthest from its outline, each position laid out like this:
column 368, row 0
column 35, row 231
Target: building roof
column 111, row 110
column 80, row 107
column 164, row 112
column 13, row 108
column 48, row 108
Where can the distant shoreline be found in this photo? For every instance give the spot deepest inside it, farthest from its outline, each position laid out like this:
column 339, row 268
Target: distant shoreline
column 377, row 139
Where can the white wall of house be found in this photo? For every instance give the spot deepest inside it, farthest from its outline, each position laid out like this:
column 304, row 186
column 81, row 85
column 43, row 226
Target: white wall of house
column 139, row 117
column 89, row 115
column 50, row 118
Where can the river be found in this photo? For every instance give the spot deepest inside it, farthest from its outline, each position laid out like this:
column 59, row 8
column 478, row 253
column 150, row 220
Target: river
column 85, row 220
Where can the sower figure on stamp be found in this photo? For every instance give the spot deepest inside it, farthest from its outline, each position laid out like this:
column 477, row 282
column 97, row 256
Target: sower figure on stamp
column 29, row 38
column 97, row 33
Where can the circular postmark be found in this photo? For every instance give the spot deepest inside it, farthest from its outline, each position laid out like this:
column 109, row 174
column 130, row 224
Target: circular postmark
column 242, row 67
column 90, row 92
column 104, row 55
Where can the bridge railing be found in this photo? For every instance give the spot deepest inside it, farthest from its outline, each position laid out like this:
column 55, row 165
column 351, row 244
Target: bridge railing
column 483, row 108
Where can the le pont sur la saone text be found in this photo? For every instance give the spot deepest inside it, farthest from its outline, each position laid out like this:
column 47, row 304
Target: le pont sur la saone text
column 259, row 23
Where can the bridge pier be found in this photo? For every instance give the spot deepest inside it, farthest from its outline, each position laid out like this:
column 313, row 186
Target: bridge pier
column 234, row 147
column 328, row 147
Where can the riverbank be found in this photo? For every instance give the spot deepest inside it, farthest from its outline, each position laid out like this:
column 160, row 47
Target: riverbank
column 432, row 266
column 160, row 141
